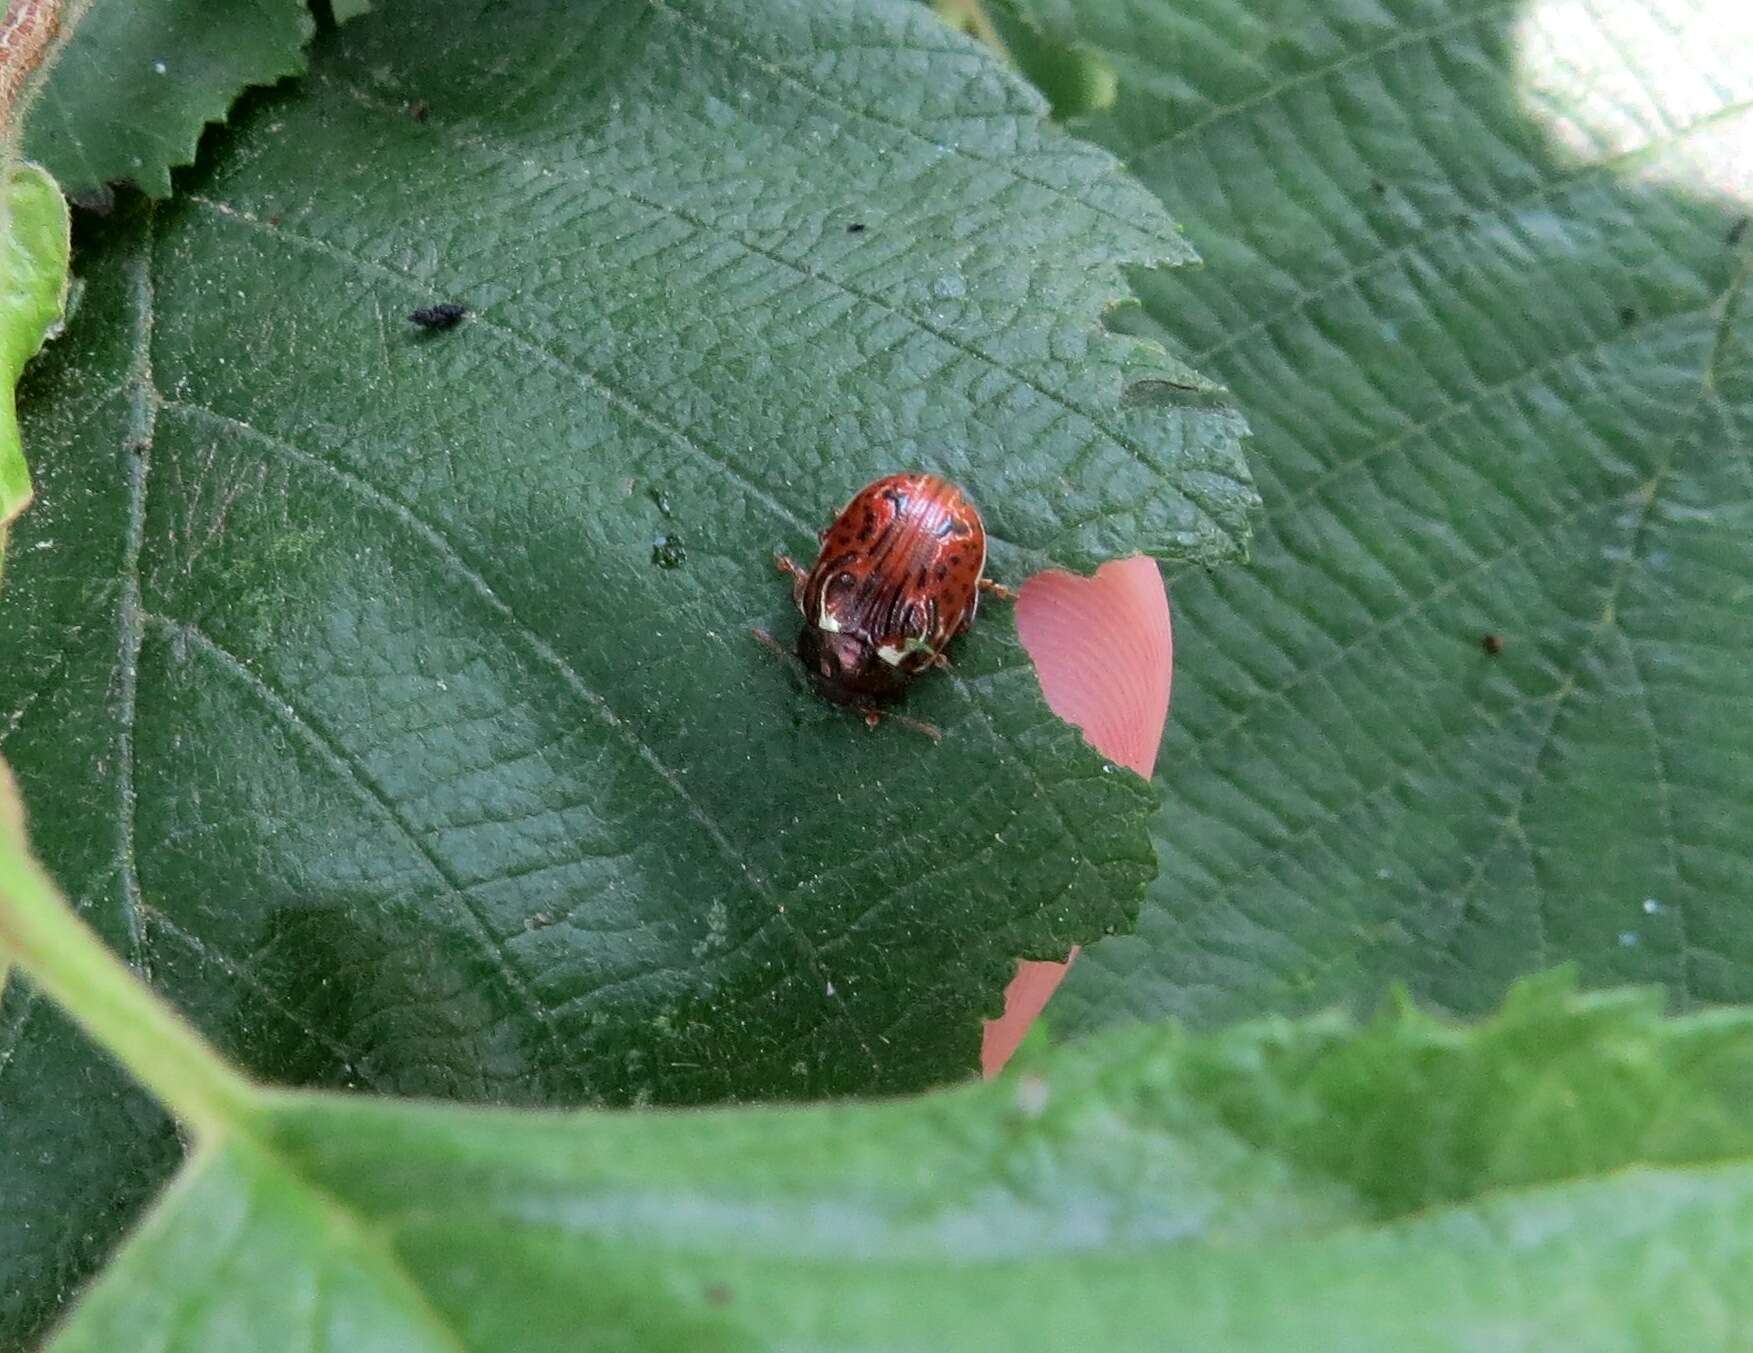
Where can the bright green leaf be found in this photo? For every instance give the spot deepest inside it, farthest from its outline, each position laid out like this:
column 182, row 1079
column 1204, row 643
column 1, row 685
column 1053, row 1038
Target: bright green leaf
column 139, row 80
column 1478, row 274
column 1571, row 1172
column 390, row 697
column 1566, row 1173
column 33, row 286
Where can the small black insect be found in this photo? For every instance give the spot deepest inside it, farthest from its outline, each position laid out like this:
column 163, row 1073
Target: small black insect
column 446, row 315
column 1738, row 231
column 1492, row 644
column 1627, row 315
column 855, row 228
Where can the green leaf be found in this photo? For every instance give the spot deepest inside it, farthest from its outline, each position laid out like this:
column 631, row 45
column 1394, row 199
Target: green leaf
column 1477, row 272
column 1570, row 1170
column 138, row 81
column 389, row 697
column 1574, row 1168
column 33, row 288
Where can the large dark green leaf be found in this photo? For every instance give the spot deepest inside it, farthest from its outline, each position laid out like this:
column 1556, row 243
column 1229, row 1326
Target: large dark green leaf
column 1477, row 271
column 389, row 696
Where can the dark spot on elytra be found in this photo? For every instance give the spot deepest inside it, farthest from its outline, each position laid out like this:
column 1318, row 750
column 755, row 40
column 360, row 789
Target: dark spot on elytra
column 942, row 572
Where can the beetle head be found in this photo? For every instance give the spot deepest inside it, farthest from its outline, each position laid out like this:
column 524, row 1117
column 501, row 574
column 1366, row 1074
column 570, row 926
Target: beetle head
column 845, row 667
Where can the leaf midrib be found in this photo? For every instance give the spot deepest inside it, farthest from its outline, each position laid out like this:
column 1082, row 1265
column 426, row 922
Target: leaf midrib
column 130, row 610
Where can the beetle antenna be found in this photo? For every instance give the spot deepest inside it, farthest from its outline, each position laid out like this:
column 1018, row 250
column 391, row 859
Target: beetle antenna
column 872, row 715
column 778, row 650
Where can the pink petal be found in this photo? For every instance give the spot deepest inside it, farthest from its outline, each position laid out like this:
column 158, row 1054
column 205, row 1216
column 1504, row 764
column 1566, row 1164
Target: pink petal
column 1104, row 654
column 1102, row 649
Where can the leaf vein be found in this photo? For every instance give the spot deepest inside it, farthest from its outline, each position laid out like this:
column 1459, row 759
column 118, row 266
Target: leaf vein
column 593, row 700
column 355, row 772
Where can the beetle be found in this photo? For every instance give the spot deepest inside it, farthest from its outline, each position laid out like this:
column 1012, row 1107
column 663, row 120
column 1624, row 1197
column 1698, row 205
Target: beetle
column 899, row 575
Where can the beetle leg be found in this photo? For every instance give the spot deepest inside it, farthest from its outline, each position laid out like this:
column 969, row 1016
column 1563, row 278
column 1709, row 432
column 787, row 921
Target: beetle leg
column 941, row 660
column 874, row 716
column 998, row 590
column 786, row 564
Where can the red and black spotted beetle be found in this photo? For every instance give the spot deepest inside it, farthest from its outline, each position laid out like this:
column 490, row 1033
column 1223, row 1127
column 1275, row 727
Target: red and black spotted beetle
column 899, row 575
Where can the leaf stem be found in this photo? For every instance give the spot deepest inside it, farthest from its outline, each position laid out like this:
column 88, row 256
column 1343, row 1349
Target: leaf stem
column 27, row 27
column 64, row 956
column 970, row 17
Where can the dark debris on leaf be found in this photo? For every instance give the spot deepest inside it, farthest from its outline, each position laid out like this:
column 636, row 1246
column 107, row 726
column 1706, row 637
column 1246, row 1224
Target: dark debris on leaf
column 446, row 315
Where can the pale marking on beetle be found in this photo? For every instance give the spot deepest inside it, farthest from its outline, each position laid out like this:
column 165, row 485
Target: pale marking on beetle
column 894, row 654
